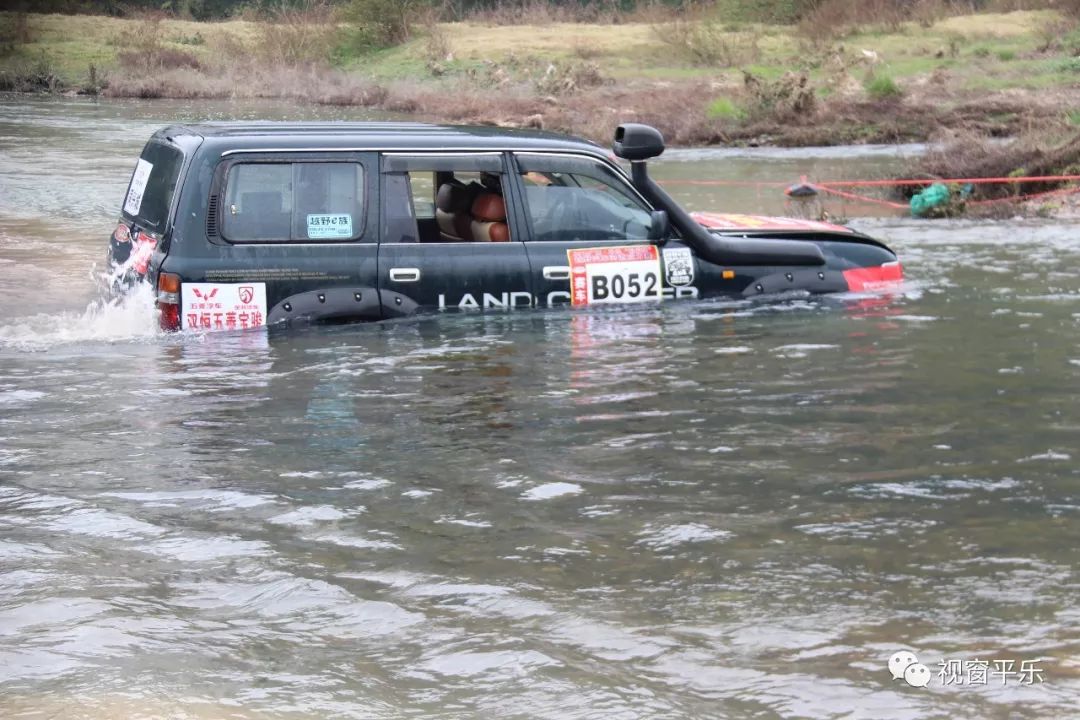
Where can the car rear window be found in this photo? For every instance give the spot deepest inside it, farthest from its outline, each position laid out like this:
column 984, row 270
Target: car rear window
column 294, row 202
column 150, row 192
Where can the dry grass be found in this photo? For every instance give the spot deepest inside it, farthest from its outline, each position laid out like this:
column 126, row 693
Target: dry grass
column 477, row 42
column 311, row 84
column 704, row 42
column 291, row 35
column 966, row 154
column 996, row 25
column 833, row 19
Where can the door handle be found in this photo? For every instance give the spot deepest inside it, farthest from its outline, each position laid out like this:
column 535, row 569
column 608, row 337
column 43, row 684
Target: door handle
column 556, row 272
column 404, row 274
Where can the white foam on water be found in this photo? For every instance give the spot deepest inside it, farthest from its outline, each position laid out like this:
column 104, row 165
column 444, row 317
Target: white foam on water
column 366, row 484
column 311, row 515
column 916, row 318
column 502, row 664
column 11, row 550
column 447, row 520
column 188, row 549
column 1048, row 455
column 50, row 611
column 310, row 608
column 222, row 500
column 131, row 316
column 354, row 541
column 551, row 490
column 800, row 350
column 667, row 537
column 96, row 522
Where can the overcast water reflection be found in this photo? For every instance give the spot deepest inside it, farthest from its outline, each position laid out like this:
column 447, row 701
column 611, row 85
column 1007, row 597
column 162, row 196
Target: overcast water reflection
column 709, row 509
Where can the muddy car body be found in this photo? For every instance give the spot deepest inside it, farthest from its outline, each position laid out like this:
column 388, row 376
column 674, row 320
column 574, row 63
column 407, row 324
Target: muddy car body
column 245, row 225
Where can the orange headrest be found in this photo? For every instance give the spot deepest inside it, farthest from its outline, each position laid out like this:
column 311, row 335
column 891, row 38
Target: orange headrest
column 489, row 207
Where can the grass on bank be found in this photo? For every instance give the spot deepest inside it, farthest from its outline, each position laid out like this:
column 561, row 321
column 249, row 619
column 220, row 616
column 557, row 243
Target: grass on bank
column 975, row 44
column 752, row 80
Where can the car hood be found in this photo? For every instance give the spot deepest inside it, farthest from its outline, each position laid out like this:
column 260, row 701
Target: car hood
column 734, row 221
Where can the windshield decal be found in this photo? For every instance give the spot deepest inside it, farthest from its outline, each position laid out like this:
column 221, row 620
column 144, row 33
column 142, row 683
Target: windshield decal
column 138, row 187
column 333, row 225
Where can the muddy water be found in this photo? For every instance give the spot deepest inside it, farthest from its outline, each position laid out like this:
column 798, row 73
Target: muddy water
column 698, row 510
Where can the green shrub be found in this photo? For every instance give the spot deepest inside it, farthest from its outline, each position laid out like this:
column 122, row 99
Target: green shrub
column 705, row 43
column 783, row 12
column 723, row 108
column 1069, row 65
column 981, row 51
column 1006, row 55
column 882, row 87
column 379, row 24
column 1073, row 117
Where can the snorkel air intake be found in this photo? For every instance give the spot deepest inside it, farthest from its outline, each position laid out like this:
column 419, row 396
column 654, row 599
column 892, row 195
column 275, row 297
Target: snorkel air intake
column 637, row 143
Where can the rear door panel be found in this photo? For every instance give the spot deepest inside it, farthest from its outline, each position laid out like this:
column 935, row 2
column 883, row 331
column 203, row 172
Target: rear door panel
column 416, row 272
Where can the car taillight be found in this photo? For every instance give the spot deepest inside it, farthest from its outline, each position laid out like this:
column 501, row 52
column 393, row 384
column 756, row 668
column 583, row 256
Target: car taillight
column 122, row 234
column 144, row 248
column 168, row 300
column 880, row 277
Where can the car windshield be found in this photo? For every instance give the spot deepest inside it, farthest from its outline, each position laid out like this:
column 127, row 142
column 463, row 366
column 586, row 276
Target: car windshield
column 150, row 192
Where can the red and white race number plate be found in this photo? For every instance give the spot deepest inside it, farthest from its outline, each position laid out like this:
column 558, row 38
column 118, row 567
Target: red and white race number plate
column 223, row 306
column 623, row 274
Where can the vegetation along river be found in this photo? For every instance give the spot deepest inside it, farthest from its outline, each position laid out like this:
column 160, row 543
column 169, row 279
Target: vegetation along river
column 707, row 509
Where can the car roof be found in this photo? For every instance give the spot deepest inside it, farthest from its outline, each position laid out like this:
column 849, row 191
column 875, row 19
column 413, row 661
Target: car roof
column 376, row 136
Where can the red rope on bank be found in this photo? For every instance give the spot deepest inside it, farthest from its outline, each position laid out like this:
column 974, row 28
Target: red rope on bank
column 862, row 198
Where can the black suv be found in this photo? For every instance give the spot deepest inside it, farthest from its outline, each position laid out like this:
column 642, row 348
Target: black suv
column 243, row 225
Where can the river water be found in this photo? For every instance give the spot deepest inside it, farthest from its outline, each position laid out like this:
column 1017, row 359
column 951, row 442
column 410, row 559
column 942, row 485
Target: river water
column 709, row 509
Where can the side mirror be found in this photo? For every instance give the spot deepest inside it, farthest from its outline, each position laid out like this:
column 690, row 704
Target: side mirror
column 634, row 141
column 659, row 227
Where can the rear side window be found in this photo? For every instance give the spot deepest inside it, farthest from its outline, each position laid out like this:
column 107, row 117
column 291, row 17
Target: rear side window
column 150, row 192
column 293, row 202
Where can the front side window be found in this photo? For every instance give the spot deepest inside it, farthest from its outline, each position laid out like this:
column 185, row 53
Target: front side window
column 569, row 199
column 294, row 202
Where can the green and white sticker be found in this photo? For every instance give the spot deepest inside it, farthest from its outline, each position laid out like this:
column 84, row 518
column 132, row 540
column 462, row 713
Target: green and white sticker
column 329, row 225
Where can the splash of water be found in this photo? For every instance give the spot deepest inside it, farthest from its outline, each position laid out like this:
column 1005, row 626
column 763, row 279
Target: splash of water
column 113, row 316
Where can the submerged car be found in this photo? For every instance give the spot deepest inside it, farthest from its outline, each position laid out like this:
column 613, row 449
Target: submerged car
column 252, row 224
